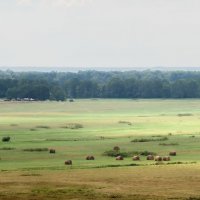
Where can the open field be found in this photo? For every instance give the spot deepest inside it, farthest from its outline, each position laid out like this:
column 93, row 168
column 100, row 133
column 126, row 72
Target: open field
column 105, row 124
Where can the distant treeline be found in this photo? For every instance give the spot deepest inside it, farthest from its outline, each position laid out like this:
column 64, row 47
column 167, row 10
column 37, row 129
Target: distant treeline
column 95, row 84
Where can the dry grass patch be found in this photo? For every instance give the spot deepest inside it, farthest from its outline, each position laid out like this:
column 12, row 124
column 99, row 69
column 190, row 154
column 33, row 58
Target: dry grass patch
column 151, row 182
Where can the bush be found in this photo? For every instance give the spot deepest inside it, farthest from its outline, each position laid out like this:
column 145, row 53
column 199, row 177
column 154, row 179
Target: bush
column 116, row 148
column 150, row 139
column 112, row 153
column 125, row 122
column 33, row 129
column 7, row 148
column 73, row 126
column 168, row 144
column 52, row 151
column 6, row 139
column 13, row 125
column 41, row 126
column 36, row 149
column 184, row 114
column 146, row 153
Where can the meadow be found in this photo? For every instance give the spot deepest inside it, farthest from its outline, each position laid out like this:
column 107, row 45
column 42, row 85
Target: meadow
column 93, row 127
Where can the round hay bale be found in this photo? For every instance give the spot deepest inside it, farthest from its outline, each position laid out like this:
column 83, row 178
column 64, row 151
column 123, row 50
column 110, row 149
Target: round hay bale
column 90, row 158
column 68, row 162
column 136, row 158
column 166, row 158
column 172, row 153
column 52, row 151
column 116, row 148
column 158, row 158
column 119, row 158
column 150, row 157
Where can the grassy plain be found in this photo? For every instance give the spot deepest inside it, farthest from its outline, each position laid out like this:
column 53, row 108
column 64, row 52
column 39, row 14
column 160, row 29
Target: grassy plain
column 40, row 175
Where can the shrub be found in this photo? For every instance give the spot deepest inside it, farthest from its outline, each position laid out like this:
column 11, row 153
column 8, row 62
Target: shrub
column 13, row 125
column 33, row 129
column 125, row 122
column 73, row 126
column 168, row 144
column 6, row 139
column 36, row 149
column 146, row 153
column 116, row 148
column 52, row 151
column 7, row 148
column 41, row 126
column 112, row 153
column 150, row 139
column 184, row 114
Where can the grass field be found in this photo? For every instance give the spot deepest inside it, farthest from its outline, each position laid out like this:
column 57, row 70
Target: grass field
column 105, row 124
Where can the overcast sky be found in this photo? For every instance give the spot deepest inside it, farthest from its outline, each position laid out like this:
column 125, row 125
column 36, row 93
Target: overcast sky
column 100, row 33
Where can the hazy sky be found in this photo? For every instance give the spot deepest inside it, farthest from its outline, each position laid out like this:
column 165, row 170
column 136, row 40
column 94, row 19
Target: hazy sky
column 100, row 33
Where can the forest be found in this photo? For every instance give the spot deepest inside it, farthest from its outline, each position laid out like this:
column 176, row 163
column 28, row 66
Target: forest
column 99, row 84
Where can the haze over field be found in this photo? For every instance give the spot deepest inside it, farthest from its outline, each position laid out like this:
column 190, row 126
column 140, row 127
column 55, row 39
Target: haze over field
column 100, row 33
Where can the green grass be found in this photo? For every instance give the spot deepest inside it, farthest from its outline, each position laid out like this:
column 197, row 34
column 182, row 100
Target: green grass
column 39, row 125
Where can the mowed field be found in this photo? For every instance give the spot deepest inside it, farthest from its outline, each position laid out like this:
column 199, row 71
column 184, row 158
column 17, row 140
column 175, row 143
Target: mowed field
column 166, row 125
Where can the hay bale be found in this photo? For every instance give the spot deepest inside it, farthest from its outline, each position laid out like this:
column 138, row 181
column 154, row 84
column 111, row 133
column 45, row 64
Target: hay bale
column 90, row 158
column 116, row 148
column 150, row 157
column 166, row 158
column 68, row 162
column 52, row 151
column 158, row 158
column 172, row 153
column 135, row 158
column 6, row 139
column 119, row 158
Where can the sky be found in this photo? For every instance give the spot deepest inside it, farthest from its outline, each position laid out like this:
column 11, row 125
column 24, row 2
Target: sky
column 100, row 33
